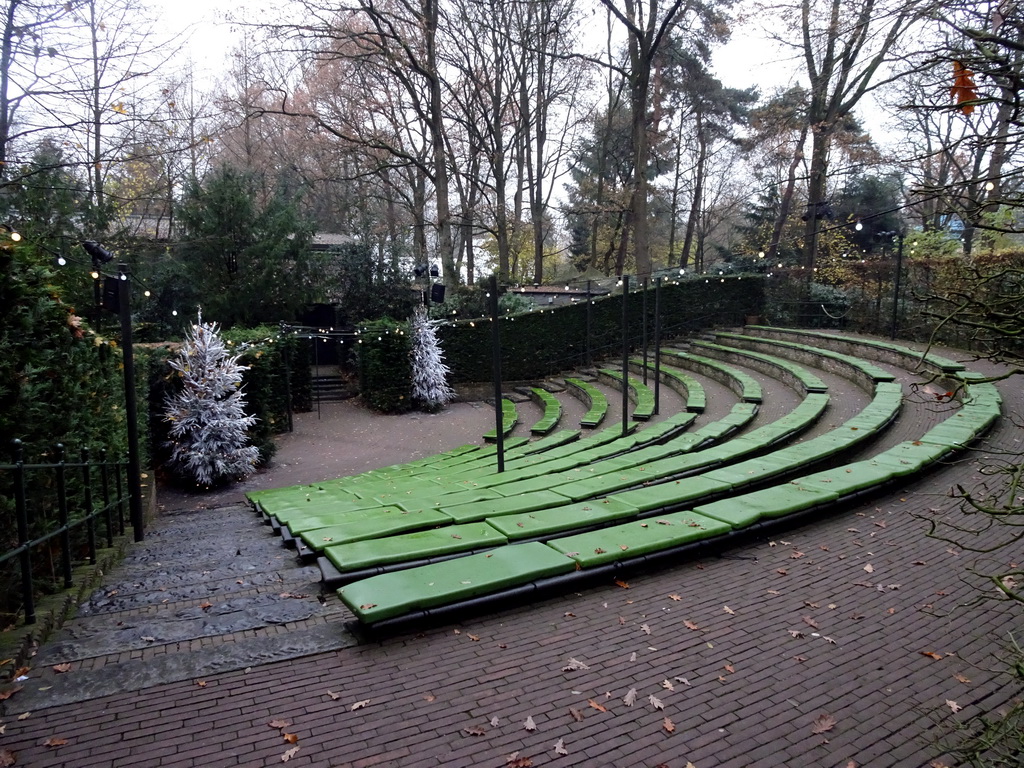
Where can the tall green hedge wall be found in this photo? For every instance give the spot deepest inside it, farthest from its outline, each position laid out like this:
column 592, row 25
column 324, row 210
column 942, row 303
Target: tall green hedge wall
column 544, row 342
column 385, row 369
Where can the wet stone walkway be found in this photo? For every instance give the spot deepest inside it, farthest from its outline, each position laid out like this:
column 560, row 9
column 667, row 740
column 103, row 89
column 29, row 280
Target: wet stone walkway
column 208, row 591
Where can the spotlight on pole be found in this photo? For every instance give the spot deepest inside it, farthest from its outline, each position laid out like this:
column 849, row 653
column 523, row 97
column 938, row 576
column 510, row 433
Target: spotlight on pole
column 97, row 252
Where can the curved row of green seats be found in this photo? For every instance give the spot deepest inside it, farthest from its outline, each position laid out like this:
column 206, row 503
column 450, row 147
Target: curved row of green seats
column 870, row 371
column 509, row 419
column 764, row 363
column 595, row 399
column 898, row 353
column 682, row 383
column 743, row 384
column 552, row 411
column 638, row 392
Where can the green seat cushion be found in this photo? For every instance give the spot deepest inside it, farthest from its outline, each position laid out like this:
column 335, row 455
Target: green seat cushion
column 848, row 478
column 418, row 545
column 637, row 538
column 334, row 516
column 387, row 523
column 525, row 502
column 393, row 594
column 286, row 513
column 542, row 522
column 672, row 493
column 776, row 501
column 440, row 499
column 751, row 471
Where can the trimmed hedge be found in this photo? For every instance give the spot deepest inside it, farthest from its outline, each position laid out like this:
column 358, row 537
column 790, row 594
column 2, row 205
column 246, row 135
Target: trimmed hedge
column 385, row 366
column 545, row 342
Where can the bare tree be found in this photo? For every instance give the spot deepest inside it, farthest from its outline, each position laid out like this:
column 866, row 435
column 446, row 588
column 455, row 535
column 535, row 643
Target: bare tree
column 846, row 48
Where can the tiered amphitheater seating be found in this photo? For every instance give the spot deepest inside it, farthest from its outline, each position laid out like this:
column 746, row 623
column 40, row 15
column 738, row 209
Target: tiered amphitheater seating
column 554, row 522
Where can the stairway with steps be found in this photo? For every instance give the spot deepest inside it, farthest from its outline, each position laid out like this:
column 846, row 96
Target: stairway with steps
column 329, row 386
column 199, row 596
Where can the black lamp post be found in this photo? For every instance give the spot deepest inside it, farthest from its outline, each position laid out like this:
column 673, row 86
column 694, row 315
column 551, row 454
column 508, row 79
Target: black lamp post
column 897, row 278
column 120, row 302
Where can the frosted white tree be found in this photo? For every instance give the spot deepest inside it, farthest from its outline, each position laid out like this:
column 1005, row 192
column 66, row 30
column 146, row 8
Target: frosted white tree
column 429, row 373
column 208, row 438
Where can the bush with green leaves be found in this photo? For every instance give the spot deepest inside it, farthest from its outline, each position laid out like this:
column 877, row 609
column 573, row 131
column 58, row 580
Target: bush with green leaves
column 385, row 368
column 59, row 383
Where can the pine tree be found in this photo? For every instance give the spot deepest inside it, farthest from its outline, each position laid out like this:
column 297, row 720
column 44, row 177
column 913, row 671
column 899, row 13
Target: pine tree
column 208, row 422
column 429, row 373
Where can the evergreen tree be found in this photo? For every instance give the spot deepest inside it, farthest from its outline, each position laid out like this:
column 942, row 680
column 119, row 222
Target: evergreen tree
column 208, row 422
column 429, row 373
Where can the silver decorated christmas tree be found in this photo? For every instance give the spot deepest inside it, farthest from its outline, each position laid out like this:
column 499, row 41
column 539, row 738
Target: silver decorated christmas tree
column 430, row 389
column 208, row 434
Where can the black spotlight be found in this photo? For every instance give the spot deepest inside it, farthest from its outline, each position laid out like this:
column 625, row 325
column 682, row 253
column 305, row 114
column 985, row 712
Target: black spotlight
column 99, row 254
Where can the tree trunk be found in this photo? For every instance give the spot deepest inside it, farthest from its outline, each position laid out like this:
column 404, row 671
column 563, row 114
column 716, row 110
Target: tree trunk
column 786, row 199
column 698, row 189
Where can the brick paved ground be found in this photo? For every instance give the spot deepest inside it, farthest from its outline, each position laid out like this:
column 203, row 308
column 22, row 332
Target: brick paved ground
column 742, row 653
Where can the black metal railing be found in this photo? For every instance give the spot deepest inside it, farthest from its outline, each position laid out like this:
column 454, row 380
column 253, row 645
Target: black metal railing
column 55, row 509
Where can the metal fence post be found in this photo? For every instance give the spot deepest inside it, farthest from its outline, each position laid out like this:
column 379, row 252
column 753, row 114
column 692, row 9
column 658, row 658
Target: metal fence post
column 120, row 496
column 62, row 510
column 105, row 489
column 90, row 521
column 22, row 516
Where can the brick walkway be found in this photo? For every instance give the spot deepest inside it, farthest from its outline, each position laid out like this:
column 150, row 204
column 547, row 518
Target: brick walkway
column 733, row 661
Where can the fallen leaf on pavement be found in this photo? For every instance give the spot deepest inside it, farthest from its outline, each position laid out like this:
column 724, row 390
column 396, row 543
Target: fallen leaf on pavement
column 4, row 695
column 475, row 730
column 630, row 698
column 279, row 724
column 728, row 610
column 55, row 741
column 675, row 597
column 961, row 678
column 667, row 685
column 645, row 629
column 932, row 655
column 528, row 724
column 7, row 758
column 823, row 722
column 810, row 622
column 519, row 762
column 560, row 748
column 574, row 664
column 690, row 625
column 655, row 702
column 597, row 706
column 576, row 714
column 66, row 667
column 291, row 738
column 730, row 668
column 622, row 584
column 24, row 715
column 953, row 706
column 668, row 725
column 869, row 568
column 289, row 754
column 359, row 705
column 334, row 696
